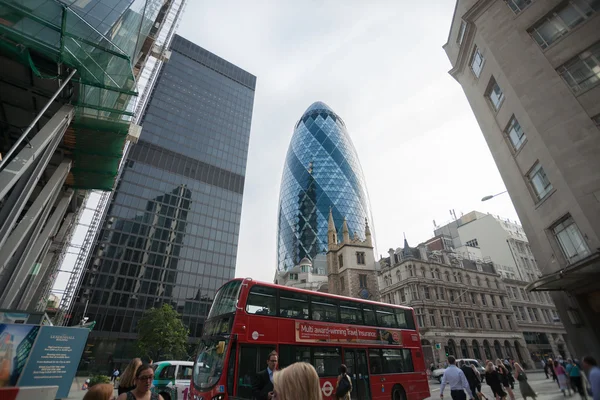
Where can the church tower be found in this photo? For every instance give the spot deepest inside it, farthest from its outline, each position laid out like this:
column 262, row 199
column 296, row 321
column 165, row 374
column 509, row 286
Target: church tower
column 351, row 265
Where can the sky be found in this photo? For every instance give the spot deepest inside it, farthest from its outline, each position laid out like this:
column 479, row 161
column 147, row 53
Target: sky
column 380, row 66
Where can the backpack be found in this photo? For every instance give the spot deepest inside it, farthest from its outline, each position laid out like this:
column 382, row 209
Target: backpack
column 343, row 387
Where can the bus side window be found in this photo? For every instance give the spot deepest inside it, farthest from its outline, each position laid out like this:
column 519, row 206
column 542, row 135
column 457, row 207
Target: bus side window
column 375, row 361
column 261, row 301
column 293, row 305
column 323, row 309
column 405, row 319
column 369, row 315
column 386, row 317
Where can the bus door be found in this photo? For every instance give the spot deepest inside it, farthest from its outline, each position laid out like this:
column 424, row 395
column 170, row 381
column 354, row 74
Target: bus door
column 356, row 361
column 252, row 360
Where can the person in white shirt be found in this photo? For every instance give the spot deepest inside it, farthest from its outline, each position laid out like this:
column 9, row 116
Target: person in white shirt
column 457, row 380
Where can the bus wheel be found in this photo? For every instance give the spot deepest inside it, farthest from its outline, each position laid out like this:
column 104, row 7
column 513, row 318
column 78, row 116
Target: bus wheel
column 165, row 396
column 398, row 393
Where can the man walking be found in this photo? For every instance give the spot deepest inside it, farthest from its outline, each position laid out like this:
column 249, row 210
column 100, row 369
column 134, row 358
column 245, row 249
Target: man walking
column 590, row 366
column 457, row 381
column 472, row 378
column 262, row 389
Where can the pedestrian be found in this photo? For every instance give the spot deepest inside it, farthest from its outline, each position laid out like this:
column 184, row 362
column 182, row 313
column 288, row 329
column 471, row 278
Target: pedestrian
column 115, row 375
column 574, row 373
column 479, row 393
column 262, row 388
column 298, row 381
column 127, row 381
column 100, row 391
column 143, row 378
column 524, row 386
column 563, row 379
column 505, row 378
column 545, row 367
column 343, row 388
column 470, row 375
column 552, row 371
column 493, row 379
column 454, row 377
column 590, row 366
column 511, row 379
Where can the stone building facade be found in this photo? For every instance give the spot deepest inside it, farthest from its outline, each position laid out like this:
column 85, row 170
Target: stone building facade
column 351, row 265
column 307, row 275
column 461, row 305
column 529, row 70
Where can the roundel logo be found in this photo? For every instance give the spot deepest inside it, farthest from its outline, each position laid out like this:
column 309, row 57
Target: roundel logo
column 327, row 389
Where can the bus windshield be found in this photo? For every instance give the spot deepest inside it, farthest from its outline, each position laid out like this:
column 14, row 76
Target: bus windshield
column 209, row 364
column 226, row 299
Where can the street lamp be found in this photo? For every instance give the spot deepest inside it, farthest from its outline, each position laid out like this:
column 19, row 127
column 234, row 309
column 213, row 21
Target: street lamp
column 491, row 196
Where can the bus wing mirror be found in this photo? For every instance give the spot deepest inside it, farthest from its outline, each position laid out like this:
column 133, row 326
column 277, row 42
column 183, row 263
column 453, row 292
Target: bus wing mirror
column 221, row 347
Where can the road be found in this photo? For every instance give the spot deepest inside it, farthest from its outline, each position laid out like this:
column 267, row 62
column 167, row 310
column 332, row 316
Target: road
column 545, row 388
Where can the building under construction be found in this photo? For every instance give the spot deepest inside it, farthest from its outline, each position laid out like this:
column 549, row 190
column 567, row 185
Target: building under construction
column 70, row 74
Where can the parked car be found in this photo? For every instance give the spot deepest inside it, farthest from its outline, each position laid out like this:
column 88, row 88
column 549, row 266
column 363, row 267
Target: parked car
column 172, row 379
column 438, row 373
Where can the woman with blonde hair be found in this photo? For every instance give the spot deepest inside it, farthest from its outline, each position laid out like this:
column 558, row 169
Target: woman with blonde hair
column 100, row 391
column 127, row 381
column 524, row 386
column 298, row 381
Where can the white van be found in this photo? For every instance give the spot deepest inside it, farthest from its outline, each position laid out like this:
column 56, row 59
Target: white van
column 172, row 379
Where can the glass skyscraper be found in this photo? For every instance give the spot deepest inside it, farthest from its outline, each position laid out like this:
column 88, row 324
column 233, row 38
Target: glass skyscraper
column 321, row 173
column 171, row 231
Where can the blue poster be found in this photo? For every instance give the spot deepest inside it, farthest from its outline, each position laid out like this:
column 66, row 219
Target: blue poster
column 54, row 358
column 16, row 341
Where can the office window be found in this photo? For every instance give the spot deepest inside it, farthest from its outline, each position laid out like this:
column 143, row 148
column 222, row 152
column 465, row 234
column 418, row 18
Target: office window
column 517, row 5
column 515, row 133
column 499, row 317
column 583, row 71
column 403, row 295
column 571, row 240
column 539, row 181
column 360, row 258
column 562, row 20
column 461, row 32
column 483, row 300
column 362, row 280
column 426, row 293
column 457, row 319
column 472, row 243
column 431, row 318
column 479, row 321
column 445, row 318
column 494, row 94
column 477, row 62
column 420, row 317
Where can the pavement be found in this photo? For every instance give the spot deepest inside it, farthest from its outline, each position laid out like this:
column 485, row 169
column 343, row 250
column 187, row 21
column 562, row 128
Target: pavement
column 546, row 389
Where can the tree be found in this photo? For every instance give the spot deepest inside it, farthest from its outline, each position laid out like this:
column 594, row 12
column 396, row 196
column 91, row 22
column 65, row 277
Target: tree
column 161, row 334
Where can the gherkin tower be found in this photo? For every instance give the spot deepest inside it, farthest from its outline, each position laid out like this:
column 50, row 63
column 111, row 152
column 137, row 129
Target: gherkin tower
column 321, row 173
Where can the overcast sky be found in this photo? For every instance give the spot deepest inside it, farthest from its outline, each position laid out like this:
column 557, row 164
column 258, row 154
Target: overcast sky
column 381, row 67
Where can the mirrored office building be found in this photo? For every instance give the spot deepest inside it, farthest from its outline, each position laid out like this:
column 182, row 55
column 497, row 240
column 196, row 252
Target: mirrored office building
column 321, row 173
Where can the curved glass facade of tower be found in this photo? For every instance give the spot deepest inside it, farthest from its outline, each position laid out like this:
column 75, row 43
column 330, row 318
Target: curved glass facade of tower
column 321, row 172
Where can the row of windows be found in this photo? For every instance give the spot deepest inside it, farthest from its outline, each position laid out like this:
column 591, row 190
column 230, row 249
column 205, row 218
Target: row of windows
column 360, row 258
column 535, row 314
column 416, row 292
column 521, row 294
column 327, row 360
column 288, row 304
column 434, row 273
column 430, row 318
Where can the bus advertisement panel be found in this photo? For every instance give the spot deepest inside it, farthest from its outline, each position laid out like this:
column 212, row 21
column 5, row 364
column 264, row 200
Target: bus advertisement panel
column 379, row 343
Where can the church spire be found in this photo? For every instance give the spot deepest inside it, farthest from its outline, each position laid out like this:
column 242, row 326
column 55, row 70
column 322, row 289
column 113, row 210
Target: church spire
column 345, row 232
column 368, row 238
column 331, row 231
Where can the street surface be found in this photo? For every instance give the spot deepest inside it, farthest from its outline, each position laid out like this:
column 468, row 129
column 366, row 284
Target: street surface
column 545, row 388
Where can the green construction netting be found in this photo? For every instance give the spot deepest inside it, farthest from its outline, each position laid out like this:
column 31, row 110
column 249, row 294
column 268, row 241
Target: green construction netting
column 104, row 74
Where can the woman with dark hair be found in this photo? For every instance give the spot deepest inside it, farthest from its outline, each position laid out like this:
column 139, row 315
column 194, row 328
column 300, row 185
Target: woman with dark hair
column 505, row 378
column 492, row 378
column 348, row 384
column 143, row 382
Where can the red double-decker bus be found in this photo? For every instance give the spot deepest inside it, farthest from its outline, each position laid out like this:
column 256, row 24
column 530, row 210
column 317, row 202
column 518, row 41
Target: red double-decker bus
column 379, row 343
